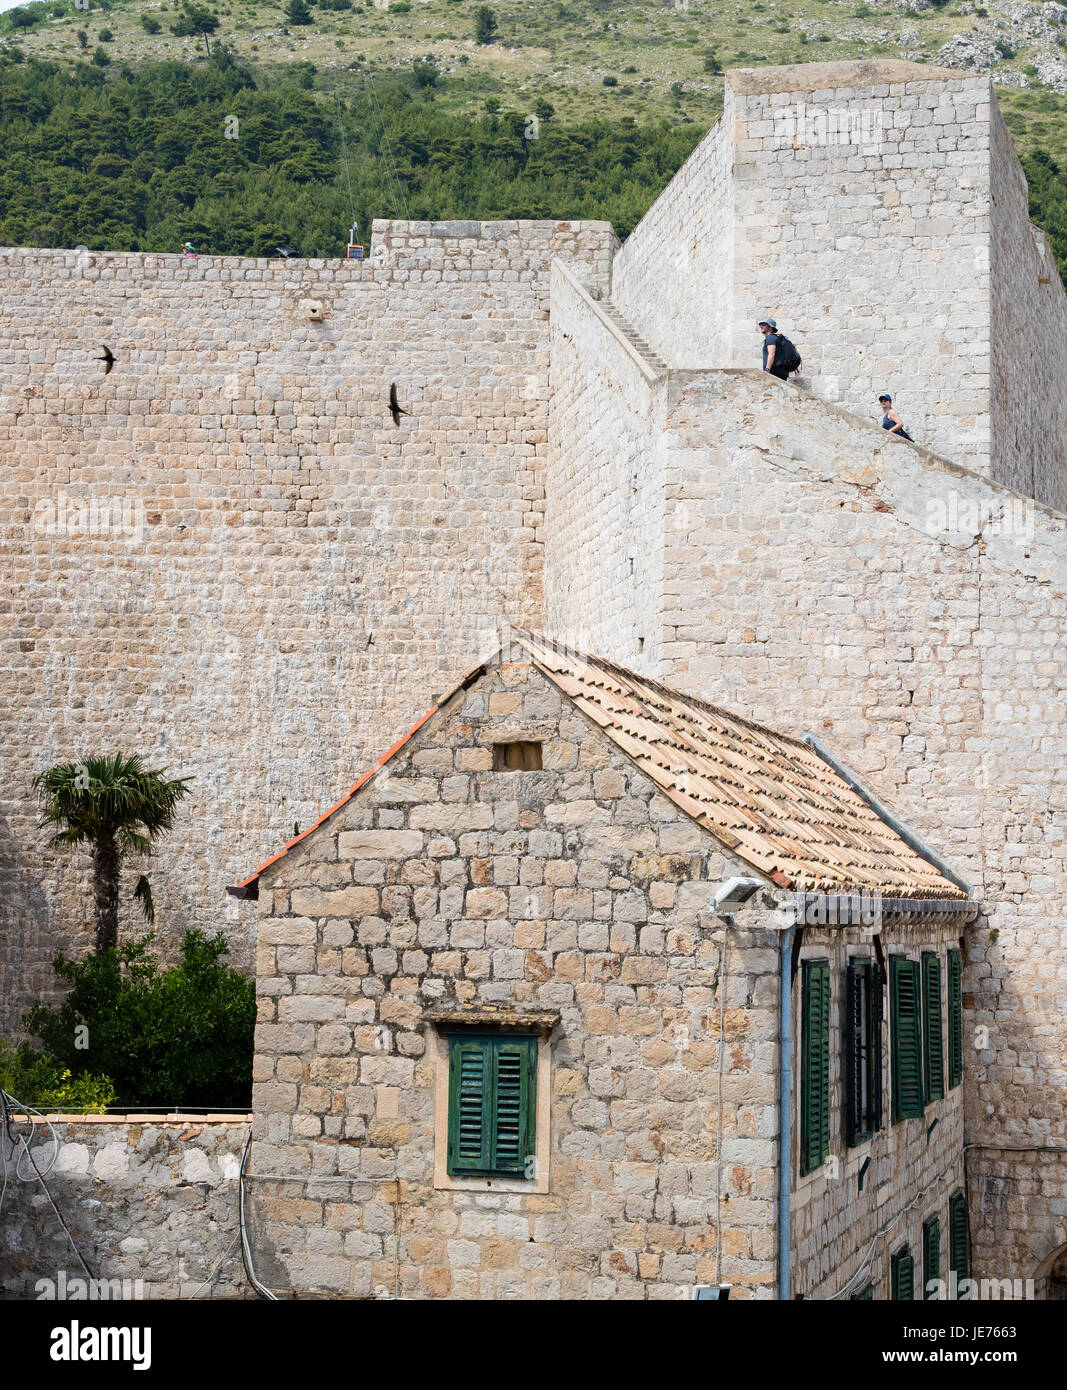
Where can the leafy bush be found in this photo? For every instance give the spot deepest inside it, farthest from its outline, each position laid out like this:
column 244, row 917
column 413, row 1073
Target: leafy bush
column 150, row 25
column 611, row 81
column 426, row 72
column 36, row 1079
column 100, row 58
column 106, row 36
column 180, row 1036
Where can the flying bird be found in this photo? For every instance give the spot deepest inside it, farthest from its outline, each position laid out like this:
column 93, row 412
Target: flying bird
column 286, row 251
column 107, row 359
column 395, row 408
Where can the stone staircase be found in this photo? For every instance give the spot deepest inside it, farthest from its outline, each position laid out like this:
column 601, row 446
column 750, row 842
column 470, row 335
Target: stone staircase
column 654, row 361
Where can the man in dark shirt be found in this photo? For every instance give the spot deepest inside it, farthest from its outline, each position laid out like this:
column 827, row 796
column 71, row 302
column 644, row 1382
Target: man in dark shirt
column 769, row 329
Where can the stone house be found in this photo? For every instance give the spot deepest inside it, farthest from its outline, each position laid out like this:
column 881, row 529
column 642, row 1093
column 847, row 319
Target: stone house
column 521, row 1011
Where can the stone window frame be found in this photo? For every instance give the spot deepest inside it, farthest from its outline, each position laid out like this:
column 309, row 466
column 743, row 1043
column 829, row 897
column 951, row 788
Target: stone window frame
column 446, row 1023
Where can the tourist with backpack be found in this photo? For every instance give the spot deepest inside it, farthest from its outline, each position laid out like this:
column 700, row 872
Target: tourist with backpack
column 891, row 421
column 780, row 357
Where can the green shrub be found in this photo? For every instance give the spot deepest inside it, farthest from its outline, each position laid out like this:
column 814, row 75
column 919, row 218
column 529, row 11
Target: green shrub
column 610, row 81
column 484, row 25
column 106, row 36
column 100, row 58
column 150, row 25
column 180, row 1036
column 38, row 1080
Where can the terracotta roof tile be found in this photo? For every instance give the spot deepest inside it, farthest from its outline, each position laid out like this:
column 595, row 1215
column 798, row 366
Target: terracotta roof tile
column 768, row 797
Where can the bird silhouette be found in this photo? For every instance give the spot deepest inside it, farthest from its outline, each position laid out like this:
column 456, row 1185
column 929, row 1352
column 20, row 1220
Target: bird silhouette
column 286, row 251
column 395, row 408
column 107, row 359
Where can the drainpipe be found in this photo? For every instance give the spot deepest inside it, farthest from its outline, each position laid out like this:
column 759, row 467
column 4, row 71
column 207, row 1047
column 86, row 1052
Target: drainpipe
column 785, row 1096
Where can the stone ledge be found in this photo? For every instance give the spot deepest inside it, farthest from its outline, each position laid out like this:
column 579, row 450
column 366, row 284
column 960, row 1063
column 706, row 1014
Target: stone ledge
column 170, row 1117
column 493, row 1016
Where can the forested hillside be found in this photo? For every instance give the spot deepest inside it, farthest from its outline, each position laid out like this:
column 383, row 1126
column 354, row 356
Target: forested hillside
column 139, row 124
column 162, row 154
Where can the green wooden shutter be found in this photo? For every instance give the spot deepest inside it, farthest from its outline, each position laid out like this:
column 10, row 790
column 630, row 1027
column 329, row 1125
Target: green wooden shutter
column 904, row 995
column 874, row 1053
column 468, row 1105
column 933, row 1052
column 955, row 1018
column 902, row 1276
column 959, row 1245
column 815, row 1065
column 514, row 1107
column 865, row 1295
column 931, row 1254
column 491, row 1104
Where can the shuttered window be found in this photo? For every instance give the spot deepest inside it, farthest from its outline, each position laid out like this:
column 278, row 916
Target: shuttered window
column 955, row 1018
column 959, row 1245
column 865, row 1295
column 491, row 1104
column 815, row 1065
column 862, row 1050
column 931, row 1254
column 907, row 1065
column 902, row 1276
column 933, row 1050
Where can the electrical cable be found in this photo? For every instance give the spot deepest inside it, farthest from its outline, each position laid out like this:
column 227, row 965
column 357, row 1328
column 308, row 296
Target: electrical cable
column 218, row 1265
column 344, row 155
column 8, row 1135
column 246, row 1249
column 369, row 82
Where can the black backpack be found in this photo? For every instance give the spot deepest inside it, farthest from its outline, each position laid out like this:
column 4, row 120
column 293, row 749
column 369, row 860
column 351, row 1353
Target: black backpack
column 787, row 356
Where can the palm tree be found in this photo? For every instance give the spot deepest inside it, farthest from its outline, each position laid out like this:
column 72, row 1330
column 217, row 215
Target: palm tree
column 118, row 807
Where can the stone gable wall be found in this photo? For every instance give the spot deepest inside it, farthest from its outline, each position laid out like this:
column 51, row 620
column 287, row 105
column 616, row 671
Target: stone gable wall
column 578, row 888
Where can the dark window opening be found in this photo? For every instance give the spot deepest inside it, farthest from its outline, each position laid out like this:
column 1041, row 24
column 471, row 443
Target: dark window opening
column 863, row 1050
column 517, row 757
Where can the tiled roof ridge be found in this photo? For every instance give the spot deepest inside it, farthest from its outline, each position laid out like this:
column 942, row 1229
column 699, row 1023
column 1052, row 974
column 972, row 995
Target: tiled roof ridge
column 670, row 692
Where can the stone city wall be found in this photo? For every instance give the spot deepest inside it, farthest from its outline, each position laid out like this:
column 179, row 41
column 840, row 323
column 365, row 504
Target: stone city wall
column 223, row 555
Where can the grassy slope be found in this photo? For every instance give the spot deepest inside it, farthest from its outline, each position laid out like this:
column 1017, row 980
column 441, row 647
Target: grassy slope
column 561, row 50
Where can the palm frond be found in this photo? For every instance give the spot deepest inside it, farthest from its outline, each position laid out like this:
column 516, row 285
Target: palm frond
column 143, row 893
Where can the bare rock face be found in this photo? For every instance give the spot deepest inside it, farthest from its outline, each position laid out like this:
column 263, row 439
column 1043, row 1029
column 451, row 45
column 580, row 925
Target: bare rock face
column 1021, row 33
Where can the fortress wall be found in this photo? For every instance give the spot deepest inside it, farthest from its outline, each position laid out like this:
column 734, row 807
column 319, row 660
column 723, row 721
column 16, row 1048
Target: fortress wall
column 845, row 590
column 1029, row 339
column 673, row 277
column 224, row 555
column 862, row 225
column 605, row 500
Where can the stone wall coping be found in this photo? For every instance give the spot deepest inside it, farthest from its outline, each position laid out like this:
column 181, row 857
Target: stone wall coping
column 170, row 1117
column 832, row 76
